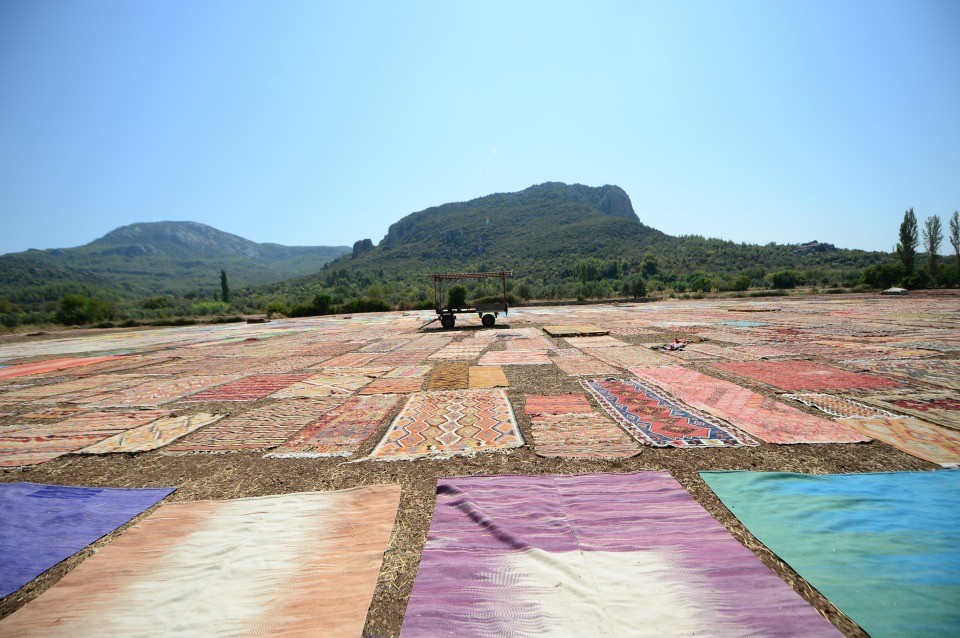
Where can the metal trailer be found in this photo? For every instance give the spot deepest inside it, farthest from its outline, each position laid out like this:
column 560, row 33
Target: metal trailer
column 487, row 311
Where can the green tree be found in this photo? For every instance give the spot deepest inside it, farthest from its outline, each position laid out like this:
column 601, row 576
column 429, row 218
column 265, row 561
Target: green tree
column 786, row 279
column 740, row 283
column 637, row 287
column 699, row 282
column 955, row 237
column 457, row 297
column 224, row 287
column 907, row 246
column 932, row 236
column 322, row 304
column 78, row 309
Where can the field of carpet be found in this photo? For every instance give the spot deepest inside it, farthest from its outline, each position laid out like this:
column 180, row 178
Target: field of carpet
column 398, row 478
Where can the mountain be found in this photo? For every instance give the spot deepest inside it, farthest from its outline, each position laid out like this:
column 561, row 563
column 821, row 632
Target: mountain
column 546, row 232
column 157, row 258
column 549, row 223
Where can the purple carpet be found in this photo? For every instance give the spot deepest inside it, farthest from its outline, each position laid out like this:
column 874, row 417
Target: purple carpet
column 593, row 554
column 41, row 525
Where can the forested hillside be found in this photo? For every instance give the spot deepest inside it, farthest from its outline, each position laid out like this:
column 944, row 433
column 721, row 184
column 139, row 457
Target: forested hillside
column 563, row 241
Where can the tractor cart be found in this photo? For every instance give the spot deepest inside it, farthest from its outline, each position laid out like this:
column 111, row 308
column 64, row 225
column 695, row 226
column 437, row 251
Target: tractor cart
column 487, row 311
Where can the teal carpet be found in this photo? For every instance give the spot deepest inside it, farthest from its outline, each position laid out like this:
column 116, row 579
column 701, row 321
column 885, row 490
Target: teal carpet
column 883, row 548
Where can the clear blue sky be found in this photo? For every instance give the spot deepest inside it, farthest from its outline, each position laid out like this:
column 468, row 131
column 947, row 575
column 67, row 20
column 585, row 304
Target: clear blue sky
column 322, row 122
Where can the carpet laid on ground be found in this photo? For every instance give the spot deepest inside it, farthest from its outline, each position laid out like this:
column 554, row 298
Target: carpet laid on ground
column 50, row 365
column 840, row 407
column 765, row 418
column 324, row 384
column 917, row 438
column 400, row 385
column 487, row 377
column 592, row 555
column 342, row 430
column 157, row 392
column 883, row 548
column 41, row 525
column 262, row 428
column 653, row 418
column 294, row 564
column 804, row 376
column 515, row 358
column 449, row 376
column 450, row 422
column 582, row 436
column 578, row 330
column 942, row 408
column 251, row 388
column 153, row 435
column 557, row 404
column 941, row 372
column 34, row 443
column 576, row 363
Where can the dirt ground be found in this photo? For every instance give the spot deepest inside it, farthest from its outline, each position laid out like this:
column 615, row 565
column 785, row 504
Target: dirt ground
column 236, row 475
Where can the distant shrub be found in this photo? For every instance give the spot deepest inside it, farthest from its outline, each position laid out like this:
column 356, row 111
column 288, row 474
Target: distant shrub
column 79, row 309
column 786, row 279
column 363, row 305
column 457, row 297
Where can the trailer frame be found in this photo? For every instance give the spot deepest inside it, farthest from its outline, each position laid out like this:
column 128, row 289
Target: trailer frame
column 488, row 311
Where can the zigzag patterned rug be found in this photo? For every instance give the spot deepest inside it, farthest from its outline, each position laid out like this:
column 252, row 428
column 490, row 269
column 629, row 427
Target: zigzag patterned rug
column 655, row 419
column 287, row 565
column 341, row 431
column 259, row 429
column 941, row 372
column 581, row 436
column 804, row 376
column 450, row 422
column 592, row 555
column 764, row 418
column 917, row 438
column 153, row 435
column 251, row 388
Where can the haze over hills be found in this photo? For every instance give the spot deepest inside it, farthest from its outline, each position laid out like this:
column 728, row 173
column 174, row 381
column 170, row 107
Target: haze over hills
column 156, row 258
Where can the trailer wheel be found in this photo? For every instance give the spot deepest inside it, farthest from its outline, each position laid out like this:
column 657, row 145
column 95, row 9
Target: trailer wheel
column 447, row 321
column 488, row 320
